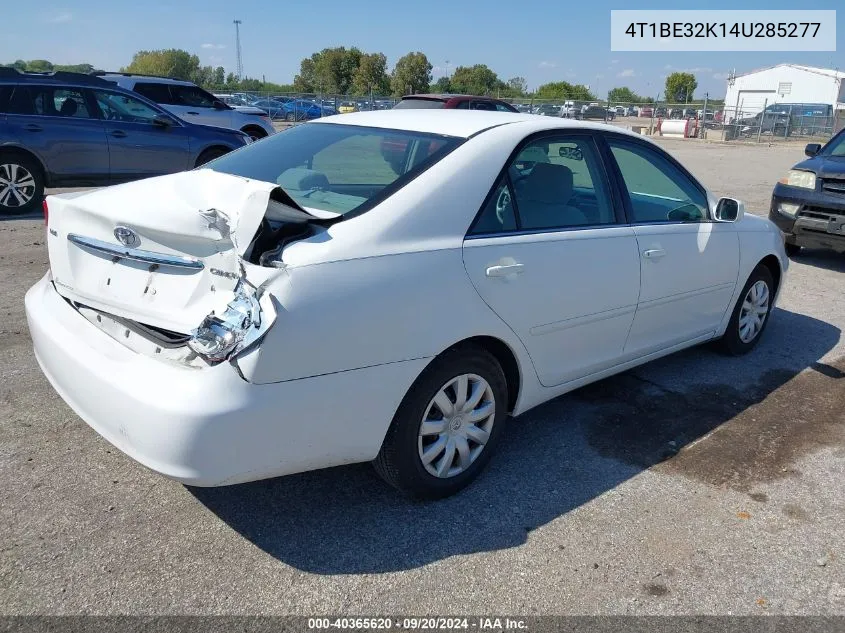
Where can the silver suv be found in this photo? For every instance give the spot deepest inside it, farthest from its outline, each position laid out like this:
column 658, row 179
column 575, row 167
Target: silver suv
column 193, row 104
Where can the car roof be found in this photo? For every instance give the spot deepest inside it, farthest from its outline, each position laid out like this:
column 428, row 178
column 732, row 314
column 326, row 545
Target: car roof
column 445, row 96
column 460, row 123
column 145, row 79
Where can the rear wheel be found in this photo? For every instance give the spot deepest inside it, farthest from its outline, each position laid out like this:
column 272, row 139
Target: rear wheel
column 210, row 154
column 447, row 426
column 21, row 184
column 289, row 117
column 751, row 313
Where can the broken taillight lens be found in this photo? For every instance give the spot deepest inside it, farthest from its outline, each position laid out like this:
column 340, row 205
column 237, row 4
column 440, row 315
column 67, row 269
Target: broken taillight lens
column 220, row 336
column 46, row 211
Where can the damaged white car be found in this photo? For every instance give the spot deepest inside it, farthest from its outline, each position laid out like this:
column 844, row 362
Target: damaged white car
column 385, row 287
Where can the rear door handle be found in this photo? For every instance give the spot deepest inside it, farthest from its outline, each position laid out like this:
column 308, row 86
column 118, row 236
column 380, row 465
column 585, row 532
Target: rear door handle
column 32, row 127
column 505, row 270
column 118, row 134
column 196, row 113
column 654, row 253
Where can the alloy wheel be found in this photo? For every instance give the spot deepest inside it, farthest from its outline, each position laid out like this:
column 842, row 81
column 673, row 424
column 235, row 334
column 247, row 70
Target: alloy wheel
column 456, row 426
column 17, row 185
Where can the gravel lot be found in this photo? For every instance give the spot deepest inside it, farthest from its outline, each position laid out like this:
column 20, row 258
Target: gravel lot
column 698, row 484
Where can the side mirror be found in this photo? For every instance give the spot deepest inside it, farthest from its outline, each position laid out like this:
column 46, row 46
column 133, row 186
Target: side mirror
column 812, row 149
column 728, row 210
column 162, row 120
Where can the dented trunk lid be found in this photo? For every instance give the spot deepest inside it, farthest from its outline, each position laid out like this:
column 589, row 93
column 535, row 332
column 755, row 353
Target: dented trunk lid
column 163, row 251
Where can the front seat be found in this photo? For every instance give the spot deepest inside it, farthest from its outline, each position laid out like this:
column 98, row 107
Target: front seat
column 69, row 107
column 543, row 198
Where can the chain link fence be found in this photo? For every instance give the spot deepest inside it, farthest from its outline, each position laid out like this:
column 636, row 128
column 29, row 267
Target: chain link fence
column 747, row 121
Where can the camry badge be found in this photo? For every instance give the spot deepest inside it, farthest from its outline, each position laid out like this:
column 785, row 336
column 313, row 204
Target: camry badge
column 127, row 237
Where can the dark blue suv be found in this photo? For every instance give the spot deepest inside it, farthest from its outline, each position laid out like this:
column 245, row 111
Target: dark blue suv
column 74, row 130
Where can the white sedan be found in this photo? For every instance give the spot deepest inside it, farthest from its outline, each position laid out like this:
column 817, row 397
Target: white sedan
column 385, row 286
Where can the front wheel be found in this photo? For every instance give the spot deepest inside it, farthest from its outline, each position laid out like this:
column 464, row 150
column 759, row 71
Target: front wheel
column 209, row 155
column 447, row 426
column 751, row 313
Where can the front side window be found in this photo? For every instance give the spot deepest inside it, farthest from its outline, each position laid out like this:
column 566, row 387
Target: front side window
column 836, row 147
column 115, row 106
column 555, row 182
column 659, row 191
column 338, row 168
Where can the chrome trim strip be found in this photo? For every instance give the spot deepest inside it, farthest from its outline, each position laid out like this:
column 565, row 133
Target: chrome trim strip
column 135, row 254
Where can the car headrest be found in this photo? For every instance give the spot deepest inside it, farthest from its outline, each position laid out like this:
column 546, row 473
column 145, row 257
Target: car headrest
column 69, row 107
column 549, row 183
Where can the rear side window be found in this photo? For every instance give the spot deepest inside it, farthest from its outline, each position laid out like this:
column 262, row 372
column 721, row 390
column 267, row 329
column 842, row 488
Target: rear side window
column 192, row 96
column 157, row 93
column 429, row 104
column 21, row 101
column 48, row 101
column 338, row 168
column 5, row 93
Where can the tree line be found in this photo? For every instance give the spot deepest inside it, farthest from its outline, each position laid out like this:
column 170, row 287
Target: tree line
column 351, row 71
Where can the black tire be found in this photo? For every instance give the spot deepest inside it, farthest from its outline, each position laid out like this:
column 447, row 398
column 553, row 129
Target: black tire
column 21, row 165
column 289, row 117
column 399, row 462
column 731, row 343
column 792, row 250
column 210, row 154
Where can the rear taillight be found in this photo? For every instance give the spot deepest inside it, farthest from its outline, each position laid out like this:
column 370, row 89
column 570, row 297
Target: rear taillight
column 46, row 211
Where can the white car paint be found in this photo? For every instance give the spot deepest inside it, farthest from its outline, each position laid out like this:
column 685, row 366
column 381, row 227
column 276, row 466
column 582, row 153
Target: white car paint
column 361, row 307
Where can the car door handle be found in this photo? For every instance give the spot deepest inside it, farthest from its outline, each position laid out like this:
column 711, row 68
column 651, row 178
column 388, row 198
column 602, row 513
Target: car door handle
column 32, row 127
column 118, row 134
column 196, row 113
column 505, row 270
column 654, row 253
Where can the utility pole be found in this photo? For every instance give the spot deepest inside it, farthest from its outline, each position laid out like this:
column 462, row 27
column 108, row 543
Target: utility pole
column 240, row 64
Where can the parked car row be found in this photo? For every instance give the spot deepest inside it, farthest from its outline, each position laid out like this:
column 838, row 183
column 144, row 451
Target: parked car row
column 71, row 129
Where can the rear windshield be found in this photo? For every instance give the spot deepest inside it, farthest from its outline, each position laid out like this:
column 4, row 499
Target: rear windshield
column 338, row 168
column 419, row 103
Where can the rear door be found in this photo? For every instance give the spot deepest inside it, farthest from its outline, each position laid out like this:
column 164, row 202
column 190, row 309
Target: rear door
column 551, row 255
column 137, row 146
column 59, row 125
column 689, row 263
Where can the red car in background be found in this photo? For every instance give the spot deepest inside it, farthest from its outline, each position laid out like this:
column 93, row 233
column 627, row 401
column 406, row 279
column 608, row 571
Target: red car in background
column 449, row 101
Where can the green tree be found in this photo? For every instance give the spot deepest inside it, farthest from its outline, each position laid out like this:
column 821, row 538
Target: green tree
column 371, row 75
column 475, row 80
column 624, row 95
column 74, row 68
column 219, row 76
column 564, row 90
column 680, row 87
column 330, row 70
column 412, row 74
column 39, row 66
column 172, row 62
column 442, row 85
column 517, row 86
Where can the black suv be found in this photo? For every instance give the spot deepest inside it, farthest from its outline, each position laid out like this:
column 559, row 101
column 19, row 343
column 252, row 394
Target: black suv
column 71, row 129
column 808, row 204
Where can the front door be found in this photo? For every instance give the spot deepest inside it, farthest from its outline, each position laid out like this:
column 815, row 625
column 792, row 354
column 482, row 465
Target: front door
column 689, row 263
column 549, row 254
column 138, row 147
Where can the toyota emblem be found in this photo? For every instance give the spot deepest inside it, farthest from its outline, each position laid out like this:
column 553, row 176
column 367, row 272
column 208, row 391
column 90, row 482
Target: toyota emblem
column 127, row 236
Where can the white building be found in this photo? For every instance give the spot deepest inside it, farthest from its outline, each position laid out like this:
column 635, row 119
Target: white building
column 751, row 92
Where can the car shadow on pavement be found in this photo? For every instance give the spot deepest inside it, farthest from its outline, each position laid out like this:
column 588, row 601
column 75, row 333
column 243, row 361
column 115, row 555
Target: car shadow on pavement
column 563, row 454
column 35, row 214
column 829, row 260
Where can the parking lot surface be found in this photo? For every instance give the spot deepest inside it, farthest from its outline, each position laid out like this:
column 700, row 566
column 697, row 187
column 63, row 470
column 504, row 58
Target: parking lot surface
column 698, row 484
